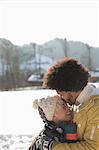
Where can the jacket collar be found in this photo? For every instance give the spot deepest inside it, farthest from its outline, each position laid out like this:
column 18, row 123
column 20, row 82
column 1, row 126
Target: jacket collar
column 85, row 94
column 84, row 97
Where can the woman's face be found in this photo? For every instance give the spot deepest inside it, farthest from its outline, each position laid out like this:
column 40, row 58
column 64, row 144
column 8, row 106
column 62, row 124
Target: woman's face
column 62, row 112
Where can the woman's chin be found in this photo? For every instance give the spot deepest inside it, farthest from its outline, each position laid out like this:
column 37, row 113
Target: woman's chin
column 68, row 118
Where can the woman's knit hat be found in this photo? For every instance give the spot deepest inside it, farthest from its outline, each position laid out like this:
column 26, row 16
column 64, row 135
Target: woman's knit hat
column 48, row 105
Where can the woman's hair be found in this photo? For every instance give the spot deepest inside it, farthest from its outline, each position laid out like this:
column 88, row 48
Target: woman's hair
column 42, row 115
column 66, row 75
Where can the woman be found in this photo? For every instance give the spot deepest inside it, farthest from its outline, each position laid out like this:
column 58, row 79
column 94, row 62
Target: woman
column 57, row 118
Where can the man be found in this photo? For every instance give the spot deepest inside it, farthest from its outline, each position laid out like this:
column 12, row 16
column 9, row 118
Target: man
column 70, row 79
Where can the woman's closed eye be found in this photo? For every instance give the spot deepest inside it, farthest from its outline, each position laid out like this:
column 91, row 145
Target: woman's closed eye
column 64, row 105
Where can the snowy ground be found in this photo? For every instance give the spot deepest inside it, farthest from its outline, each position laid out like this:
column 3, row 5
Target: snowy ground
column 15, row 142
column 19, row 123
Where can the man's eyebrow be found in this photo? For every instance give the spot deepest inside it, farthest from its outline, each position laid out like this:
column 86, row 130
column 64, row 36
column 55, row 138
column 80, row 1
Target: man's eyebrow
column 57, row 91
column 63, row 100
column 66, row 102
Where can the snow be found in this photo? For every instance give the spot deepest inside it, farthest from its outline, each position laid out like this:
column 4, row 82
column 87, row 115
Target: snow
column 94, row 73
column 34, row 77
column 16, row 113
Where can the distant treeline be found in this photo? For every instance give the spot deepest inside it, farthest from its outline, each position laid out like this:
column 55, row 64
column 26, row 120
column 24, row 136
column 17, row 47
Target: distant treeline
column 13, row 69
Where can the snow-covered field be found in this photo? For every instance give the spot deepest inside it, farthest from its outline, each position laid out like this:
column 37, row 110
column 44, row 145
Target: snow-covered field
column 15, row 142
column 19, row 123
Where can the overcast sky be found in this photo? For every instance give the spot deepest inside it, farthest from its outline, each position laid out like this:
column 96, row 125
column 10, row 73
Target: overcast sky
column 23, row 22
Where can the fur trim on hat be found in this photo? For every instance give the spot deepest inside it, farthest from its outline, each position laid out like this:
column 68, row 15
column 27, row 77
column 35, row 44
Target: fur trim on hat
column 35, row 104
column 48, row 105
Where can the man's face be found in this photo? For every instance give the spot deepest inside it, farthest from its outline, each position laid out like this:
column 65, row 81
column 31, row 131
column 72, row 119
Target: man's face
column 69, row 97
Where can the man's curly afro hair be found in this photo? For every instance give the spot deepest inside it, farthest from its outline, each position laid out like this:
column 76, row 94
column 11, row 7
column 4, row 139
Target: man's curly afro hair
column 66, row 75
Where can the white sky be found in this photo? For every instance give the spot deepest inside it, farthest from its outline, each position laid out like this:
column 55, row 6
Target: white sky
column 23, row 22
